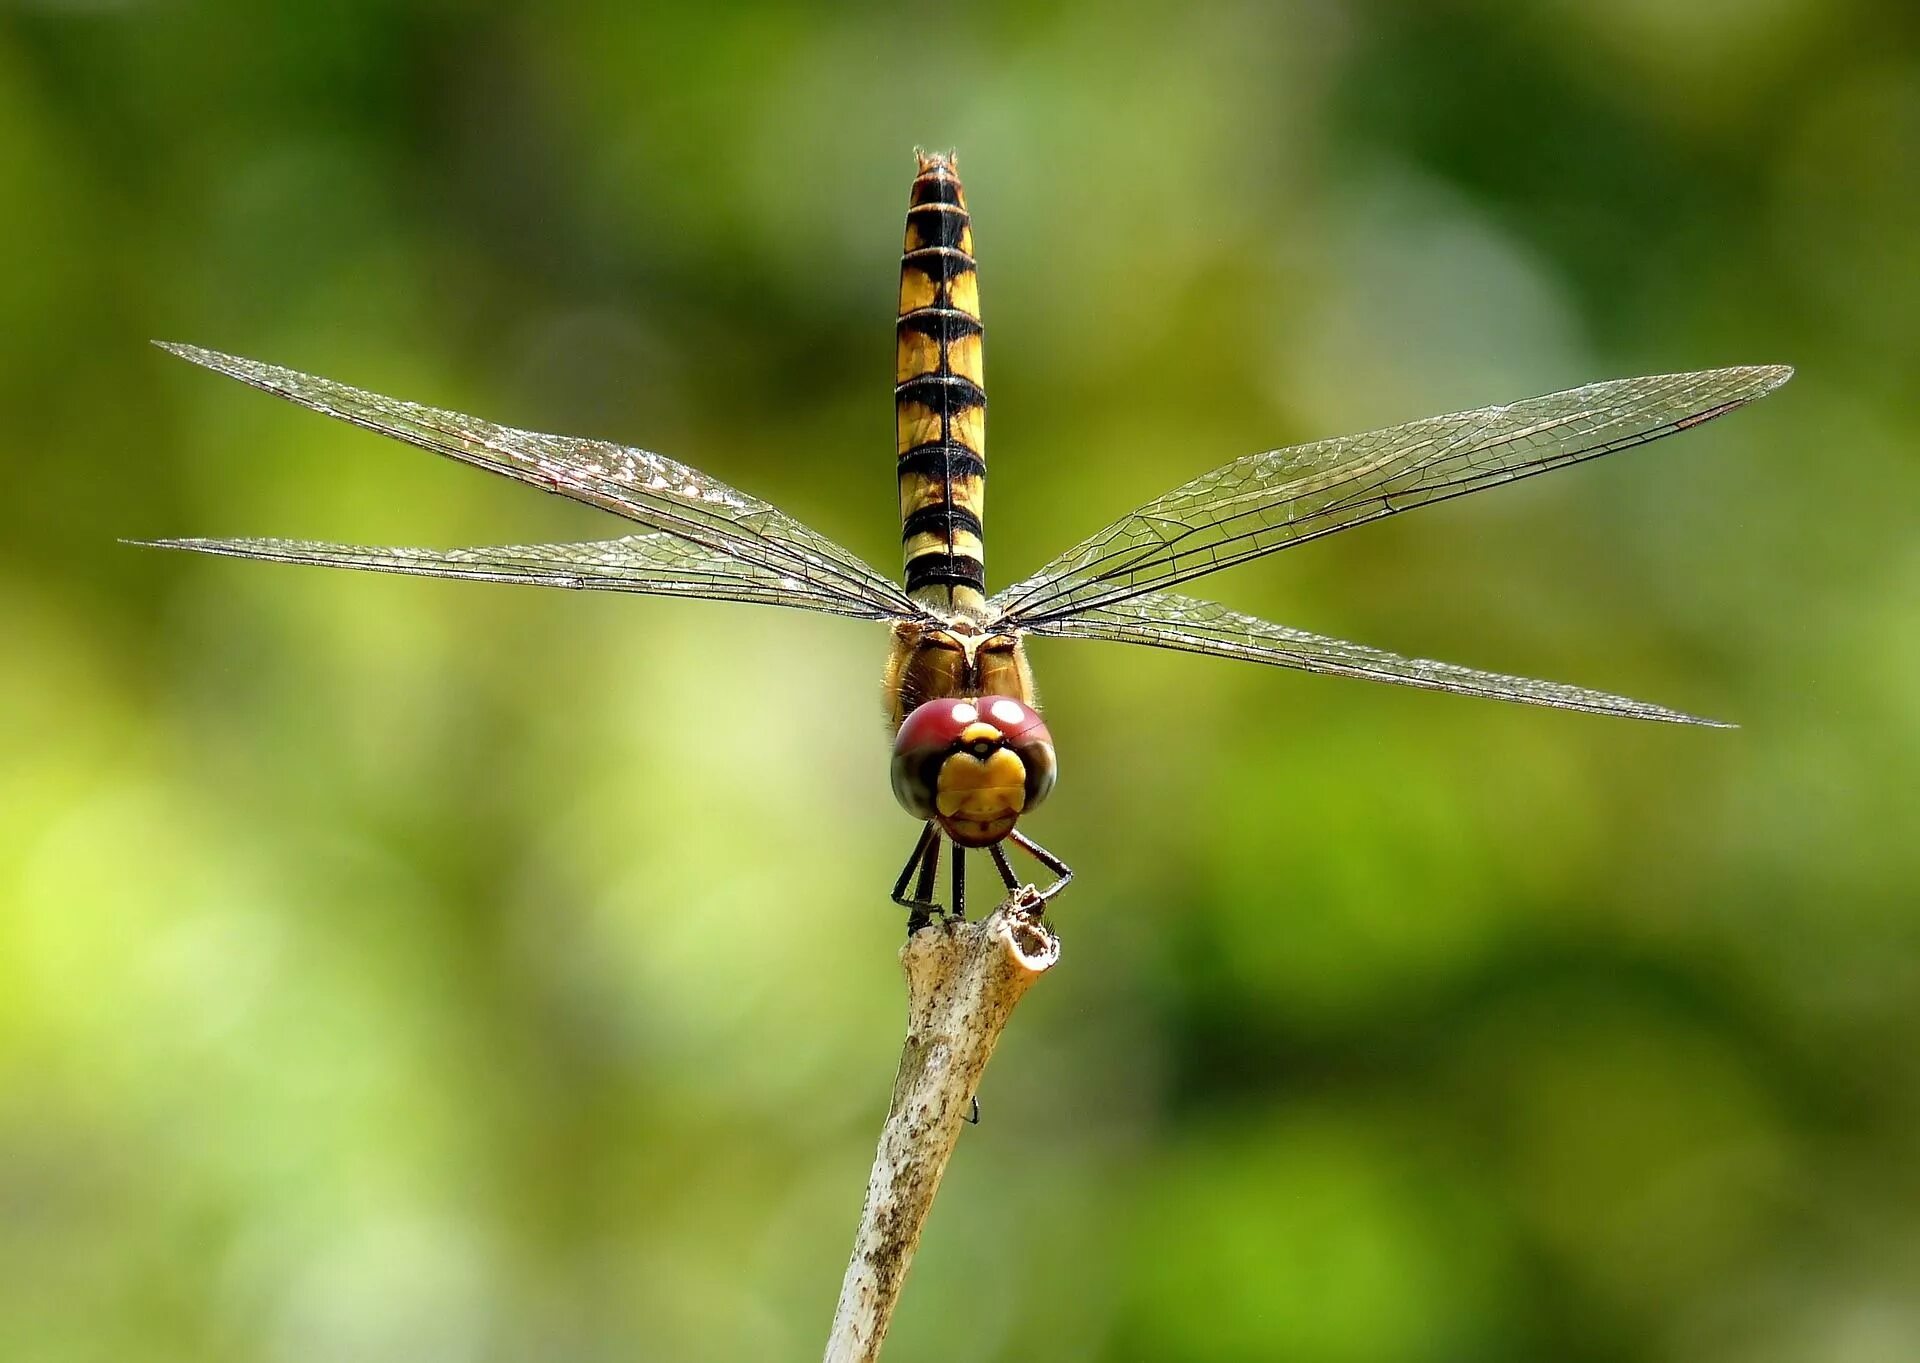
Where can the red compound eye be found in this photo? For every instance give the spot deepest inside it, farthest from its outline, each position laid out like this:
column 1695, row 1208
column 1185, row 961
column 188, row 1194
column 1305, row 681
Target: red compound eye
column 1020, row 722
column 926, row 737
column 929, row 786
column 1027, row 735
column 935, row 726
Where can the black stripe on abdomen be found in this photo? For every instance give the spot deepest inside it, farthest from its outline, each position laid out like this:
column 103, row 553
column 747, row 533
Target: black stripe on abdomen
column 943, row 324
column 941, row 569
column 936, row 460
column 936, row 189
column 940, row 518
column 940, row 392
column 938, row 224
column 941, row 264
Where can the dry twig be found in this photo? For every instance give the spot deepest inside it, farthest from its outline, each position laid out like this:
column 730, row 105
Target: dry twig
column 962, row 983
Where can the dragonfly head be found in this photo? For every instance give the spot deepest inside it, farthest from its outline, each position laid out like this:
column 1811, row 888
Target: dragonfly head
column 973, row 766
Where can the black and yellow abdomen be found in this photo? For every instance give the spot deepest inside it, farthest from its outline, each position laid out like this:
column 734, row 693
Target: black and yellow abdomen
column 940, row 402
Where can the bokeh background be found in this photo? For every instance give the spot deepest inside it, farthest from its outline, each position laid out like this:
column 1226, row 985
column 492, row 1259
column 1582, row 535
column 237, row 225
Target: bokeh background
column 397, row 970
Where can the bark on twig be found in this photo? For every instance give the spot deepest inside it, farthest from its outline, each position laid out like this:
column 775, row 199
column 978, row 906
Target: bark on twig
column 962, row 983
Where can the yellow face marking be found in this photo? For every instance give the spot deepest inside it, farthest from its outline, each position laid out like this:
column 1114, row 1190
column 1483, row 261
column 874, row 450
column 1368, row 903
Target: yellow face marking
column 915, row 425
column 981, row 791
column 917, row 354
column 963, row 293
column 963, row 358
column 916, row 290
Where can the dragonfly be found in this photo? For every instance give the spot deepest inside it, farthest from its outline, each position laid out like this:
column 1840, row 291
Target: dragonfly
column 971, row 753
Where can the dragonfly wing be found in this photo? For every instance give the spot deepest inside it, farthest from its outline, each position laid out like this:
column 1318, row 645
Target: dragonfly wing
column 1165, row 620
column 1267, row 502
column 655, row 564
column 647, row 488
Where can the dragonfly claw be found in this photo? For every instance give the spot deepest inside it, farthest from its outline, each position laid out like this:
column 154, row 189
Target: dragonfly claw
column 921, row 913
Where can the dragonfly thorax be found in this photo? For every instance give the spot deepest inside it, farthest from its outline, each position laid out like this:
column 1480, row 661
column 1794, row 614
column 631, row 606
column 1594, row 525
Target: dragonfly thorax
column 956, row 659
column 973, row 766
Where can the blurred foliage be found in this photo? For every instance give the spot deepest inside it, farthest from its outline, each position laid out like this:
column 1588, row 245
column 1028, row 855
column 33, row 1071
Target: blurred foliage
column 396, row 970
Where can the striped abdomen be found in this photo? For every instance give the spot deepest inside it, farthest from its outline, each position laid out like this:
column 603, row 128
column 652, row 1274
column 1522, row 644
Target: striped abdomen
column 940, row 406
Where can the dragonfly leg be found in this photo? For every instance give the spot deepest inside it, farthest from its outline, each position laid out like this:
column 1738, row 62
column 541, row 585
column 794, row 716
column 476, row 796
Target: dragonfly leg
column 958, row 913
column 1047, row 859
column 929, row 868
column 925, row 858
column 1006, row 867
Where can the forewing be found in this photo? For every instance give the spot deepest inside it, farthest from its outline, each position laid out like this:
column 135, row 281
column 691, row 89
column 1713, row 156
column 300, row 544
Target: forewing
column 1267, row 502
column 646, row 488
column 1165, row 620
column 653, row 564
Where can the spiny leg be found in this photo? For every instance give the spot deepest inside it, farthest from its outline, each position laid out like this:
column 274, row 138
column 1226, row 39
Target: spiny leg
column 926, row 855
column 1047, row 859
column 1006, row 867
column 959, row 911
column 927, row 835
column 929, row 868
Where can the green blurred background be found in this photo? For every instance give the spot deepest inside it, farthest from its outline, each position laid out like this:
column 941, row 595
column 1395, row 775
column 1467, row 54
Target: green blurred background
column 398, row 970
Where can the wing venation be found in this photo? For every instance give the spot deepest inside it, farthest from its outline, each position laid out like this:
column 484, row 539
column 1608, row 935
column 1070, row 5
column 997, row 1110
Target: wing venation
column 758, row 541
column 1189, row 625
column 653, row 564
column 1266, row 502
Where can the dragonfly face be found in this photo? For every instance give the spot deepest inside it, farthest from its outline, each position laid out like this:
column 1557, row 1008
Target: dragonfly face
column 973, row 766
column 971, row 755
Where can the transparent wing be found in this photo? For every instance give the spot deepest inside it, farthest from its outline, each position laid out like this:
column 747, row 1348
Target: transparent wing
column 1266, row 502
column 763, row 542
column 654, row 564
column 1164, row 620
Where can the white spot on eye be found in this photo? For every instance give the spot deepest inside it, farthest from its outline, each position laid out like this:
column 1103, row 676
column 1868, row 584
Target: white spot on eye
column 964, row 713
column 1008, row 712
